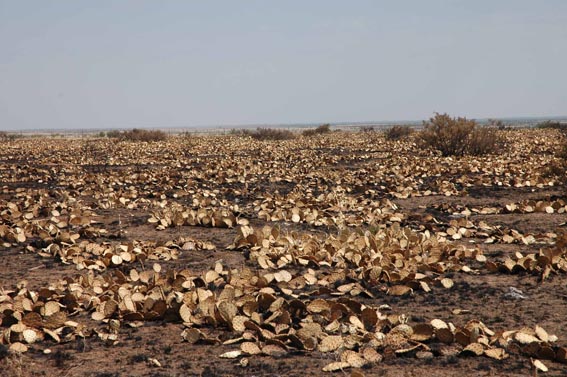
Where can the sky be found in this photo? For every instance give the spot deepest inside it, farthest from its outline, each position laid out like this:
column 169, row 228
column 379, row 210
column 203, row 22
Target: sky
column 81, row 64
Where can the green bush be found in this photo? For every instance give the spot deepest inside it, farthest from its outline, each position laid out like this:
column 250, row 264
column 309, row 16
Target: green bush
column 459, row 136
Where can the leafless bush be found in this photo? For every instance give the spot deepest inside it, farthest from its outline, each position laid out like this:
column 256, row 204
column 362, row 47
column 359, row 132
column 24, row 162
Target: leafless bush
column 367, row 129
column 398, row 132
column 137, row 134
column 322, row 129
column 459, row 136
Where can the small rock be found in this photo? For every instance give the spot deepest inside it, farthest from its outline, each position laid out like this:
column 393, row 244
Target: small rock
column 514, row 294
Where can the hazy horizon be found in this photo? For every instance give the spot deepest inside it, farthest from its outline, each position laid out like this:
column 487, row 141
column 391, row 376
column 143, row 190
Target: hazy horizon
column 122, row 64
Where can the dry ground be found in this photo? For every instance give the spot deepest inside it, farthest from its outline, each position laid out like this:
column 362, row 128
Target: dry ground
column 329, row 198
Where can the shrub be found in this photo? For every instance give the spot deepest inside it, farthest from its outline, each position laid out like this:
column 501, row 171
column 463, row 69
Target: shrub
column 497, row 123
column 459, row 136
column 367, row 129
column 143, row 135
column 185, row 135
column 271, row 134
column 398, row 132
column 322, row 129
column 557, row 168
column 484, row 140
column 5, row 136
column 549, row 124
column 113, row 134
column 240, row 132
column 563, row 150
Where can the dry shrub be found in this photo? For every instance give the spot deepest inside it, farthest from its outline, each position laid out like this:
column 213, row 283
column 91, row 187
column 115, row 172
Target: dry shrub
column 270, row 134
column 499, row 124
column 484, row 140
column 322, row 129
column 113, row 134
column 5, row 136
column 562, row 153
column 143, row 135
column 398, row 132
column 554, row 125
column 550, row 124
column 367, row 129
column 240, row 132
column 185, row 135
column 459, row 136
column 558, row 167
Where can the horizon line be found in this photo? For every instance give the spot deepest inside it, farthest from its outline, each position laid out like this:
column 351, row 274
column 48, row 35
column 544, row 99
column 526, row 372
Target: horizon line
column 521, row 120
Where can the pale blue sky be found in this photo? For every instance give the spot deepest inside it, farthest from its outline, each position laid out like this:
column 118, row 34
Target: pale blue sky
column 102, row 64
